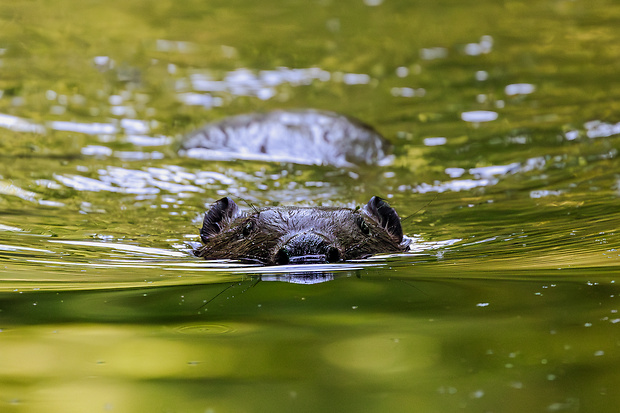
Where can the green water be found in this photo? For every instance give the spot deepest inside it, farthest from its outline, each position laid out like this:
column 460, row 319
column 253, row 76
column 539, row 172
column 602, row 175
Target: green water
column 505, row 120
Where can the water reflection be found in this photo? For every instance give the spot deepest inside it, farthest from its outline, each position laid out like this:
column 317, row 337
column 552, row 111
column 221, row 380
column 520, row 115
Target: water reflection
column 478, row 116
column 483, row 176
column 148, row 252
column 308, row 278
column 11, row 189
column 17, row 124
column 244, row 82
column 262, row 84
column 455, row 185
column 149, row 181
column 484, row 46
column 449, row 345
column 599, row 129
column 519, row 89
column 87, row 128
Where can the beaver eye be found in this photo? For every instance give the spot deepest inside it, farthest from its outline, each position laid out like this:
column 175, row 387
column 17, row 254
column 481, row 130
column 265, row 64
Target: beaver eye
column 247, row 229
column 363, row 226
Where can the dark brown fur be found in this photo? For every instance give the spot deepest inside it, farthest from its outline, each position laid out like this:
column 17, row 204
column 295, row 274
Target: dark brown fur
column 283, row 235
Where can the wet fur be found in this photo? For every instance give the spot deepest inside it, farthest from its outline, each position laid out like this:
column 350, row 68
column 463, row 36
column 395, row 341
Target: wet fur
column 257, row 237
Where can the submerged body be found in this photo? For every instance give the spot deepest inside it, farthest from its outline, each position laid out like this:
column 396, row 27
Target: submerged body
column 303, row 136
column 296, row 235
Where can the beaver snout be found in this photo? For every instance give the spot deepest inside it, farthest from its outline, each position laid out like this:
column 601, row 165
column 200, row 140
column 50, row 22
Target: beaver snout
column 307, row 248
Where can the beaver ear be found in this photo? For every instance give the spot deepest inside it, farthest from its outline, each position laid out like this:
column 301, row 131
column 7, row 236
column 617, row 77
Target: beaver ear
column 385, row 215
column 221, row 213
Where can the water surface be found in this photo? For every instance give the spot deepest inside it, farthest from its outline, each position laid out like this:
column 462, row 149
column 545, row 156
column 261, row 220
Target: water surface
column 505, row 122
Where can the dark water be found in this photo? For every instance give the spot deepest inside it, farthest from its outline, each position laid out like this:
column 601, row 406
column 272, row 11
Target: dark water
column 505, row 118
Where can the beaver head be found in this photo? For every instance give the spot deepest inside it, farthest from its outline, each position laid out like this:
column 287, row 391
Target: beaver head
column 295, row 235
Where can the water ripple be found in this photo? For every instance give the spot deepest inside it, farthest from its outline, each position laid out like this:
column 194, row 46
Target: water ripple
column 17, row 124
column 149, row 181
column 482, row 176
column 123, row 247
column 244, row 82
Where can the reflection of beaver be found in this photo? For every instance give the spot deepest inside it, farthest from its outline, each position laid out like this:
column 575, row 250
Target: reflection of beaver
column 295, row 235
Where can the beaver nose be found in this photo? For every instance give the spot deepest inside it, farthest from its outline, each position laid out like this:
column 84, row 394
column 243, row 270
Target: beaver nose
column 307, row 248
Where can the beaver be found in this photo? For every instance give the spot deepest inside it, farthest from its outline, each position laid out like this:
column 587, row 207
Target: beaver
column 300, row 235
column 303, row 136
